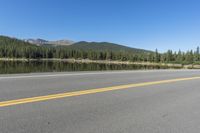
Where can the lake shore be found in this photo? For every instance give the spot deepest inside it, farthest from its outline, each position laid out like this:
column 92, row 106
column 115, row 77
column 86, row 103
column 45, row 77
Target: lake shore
column 170, row 65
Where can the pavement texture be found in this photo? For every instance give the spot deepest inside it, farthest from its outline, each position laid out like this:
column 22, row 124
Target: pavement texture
column 167, row 108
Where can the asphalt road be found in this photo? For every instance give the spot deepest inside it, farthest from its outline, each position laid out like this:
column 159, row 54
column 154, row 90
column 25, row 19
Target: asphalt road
column 171, row 107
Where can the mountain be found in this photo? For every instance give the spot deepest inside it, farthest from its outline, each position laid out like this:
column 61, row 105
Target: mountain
column 87, row 46
column 62, row 42
column 36, row 41
column 40, row 42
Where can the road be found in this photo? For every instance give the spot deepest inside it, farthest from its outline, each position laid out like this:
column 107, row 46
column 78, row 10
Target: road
column 154, row 101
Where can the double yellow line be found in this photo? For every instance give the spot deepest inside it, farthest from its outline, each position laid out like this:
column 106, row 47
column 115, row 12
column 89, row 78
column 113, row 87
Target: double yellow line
column 90, row 91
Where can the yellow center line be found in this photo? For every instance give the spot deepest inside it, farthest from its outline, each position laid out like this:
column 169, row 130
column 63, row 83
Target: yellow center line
column 90, row 91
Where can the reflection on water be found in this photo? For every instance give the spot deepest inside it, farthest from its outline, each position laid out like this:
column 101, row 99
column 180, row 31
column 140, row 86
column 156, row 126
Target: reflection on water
column 7, row 67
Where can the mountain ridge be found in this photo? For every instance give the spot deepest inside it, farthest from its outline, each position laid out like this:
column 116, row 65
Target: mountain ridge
column 85, row 45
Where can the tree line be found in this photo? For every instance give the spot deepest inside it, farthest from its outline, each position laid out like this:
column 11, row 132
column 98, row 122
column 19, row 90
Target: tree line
column 14, row 48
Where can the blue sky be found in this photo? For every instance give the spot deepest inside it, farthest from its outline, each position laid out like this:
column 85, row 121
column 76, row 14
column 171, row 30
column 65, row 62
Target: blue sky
column 148, row 24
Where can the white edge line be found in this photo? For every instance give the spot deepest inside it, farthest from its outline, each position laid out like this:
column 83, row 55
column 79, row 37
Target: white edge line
column 62, row 75
column 79, row 74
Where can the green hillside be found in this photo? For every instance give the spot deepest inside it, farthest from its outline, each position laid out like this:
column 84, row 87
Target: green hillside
column 15, row 48
column 8, row 41
column 105, row 46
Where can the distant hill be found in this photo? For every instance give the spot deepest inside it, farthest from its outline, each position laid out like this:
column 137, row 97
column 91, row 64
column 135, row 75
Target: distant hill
column 36, row 41
column 105, row 46
column 62, row 42
column 40, row 42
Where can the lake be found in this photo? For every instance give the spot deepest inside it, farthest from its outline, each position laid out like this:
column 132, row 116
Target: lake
column 12, row 67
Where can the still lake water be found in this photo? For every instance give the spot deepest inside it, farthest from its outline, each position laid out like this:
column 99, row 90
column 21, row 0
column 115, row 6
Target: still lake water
column 11, row 67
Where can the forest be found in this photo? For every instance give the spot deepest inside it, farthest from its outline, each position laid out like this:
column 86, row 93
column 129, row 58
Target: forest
column 15, row 48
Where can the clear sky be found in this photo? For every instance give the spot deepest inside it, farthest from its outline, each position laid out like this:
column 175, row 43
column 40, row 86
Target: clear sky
column 148, row 24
